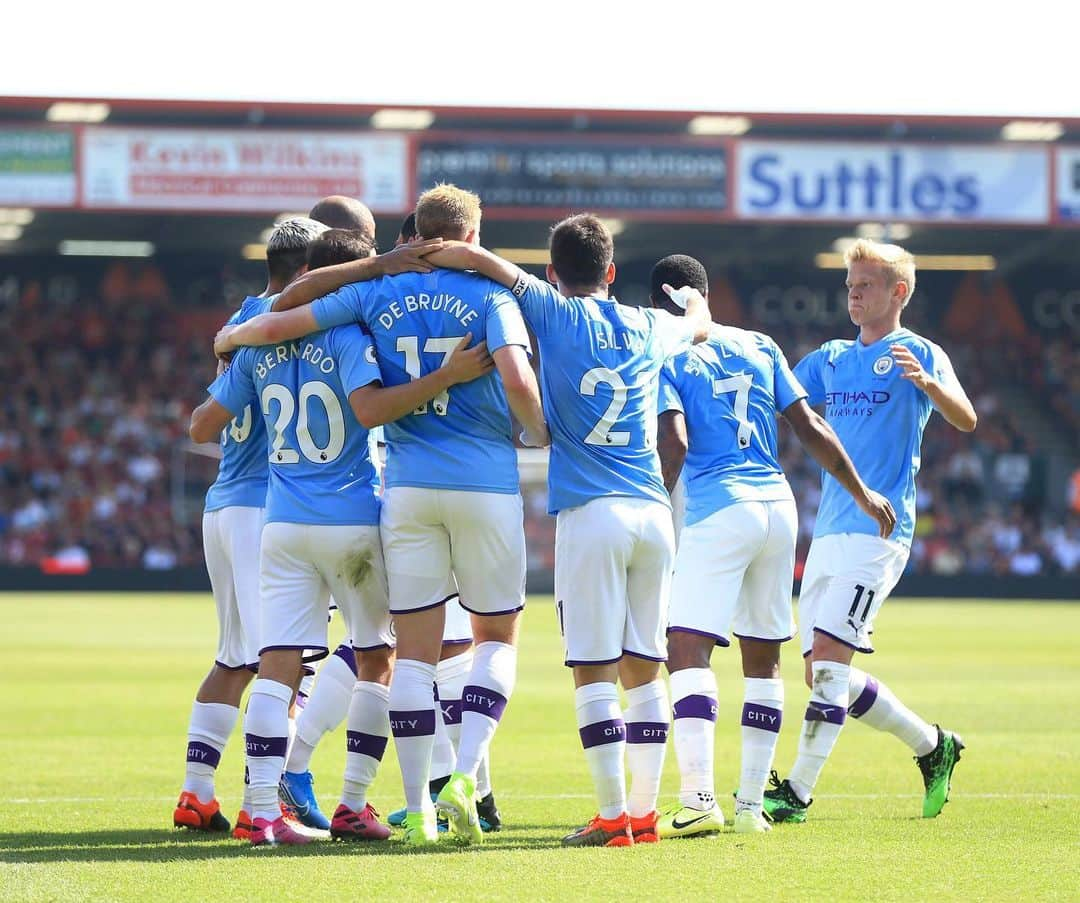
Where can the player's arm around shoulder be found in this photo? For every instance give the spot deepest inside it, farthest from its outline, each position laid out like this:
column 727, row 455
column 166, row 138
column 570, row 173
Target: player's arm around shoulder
column 407, row 258
column 939, row 382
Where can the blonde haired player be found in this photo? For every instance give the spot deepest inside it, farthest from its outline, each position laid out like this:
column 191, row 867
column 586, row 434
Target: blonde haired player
column 879, row 391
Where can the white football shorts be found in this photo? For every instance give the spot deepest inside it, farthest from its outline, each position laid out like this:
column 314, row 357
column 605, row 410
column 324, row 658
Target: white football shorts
column 613, row 559
column 734, row 572
column 847, row 578
column 442, row 542
column 231, row 538
column 301, row 565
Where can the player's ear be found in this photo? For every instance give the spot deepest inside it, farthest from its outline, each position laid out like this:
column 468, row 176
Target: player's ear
column 552, row 276
column 472, row 237
column 609, row 276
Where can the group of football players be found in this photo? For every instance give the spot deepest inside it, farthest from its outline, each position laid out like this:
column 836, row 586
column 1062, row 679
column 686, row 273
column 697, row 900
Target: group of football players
column 431, row 344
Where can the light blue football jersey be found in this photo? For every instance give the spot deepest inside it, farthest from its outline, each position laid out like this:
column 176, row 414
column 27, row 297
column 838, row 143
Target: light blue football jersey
column 320, row 467
column 242, row 473
column 599, row 369
column 462, row 439
column 730, row 389
column 879, row 417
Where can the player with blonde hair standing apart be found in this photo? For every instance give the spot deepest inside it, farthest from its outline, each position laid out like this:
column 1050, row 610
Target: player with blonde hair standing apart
column 879, row 391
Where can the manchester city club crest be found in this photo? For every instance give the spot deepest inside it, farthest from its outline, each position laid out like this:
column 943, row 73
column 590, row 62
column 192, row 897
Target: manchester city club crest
column 883, row 365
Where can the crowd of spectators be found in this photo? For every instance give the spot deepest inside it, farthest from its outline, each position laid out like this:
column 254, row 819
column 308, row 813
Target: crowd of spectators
column 100, row 382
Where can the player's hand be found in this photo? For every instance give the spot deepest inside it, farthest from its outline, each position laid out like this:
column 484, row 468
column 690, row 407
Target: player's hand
column 682, row 296
column 913, row 370
column 223, row 346
column 534, row 440
column 454, row 255
column 465, row 364
column 880, row 509
column 409, row 258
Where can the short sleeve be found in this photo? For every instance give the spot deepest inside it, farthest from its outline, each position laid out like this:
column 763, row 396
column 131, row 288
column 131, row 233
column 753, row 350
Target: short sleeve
column 675, row 334
column 808, row 373
column 357, row 364
column 504, row 325
column 343, row 306
column 540, row 304
column 786, row 387
column 670, row 400
column 235, row 389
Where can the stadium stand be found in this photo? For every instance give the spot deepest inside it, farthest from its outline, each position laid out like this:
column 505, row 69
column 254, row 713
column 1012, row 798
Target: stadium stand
column 95, row 469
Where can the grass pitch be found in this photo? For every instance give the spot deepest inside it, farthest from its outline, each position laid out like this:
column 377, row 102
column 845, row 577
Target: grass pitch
column 98, row 690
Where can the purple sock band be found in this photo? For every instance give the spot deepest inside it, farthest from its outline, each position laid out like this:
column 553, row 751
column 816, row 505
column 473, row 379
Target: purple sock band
column 761, row 716
column 451, row 711
column 413, row 724
column 203, row 753
column 346, row 654
column 365, row 744
column 602, row 732
column 822, row 711
column 483, row 700
column 264, row 747
column 866, row 699
column 301, row 700
column 646, row 732
column 696, row 707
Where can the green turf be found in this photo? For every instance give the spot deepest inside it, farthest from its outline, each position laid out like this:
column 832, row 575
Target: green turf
column 97, row 692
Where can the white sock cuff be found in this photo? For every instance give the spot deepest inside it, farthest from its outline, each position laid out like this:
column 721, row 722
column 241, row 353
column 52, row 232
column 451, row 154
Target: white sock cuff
column 765, row 689
column 856, row 682
column 455, row 667
column 414, row 669
column 646, row 693
column 831, row 681
column 214, row 720
column 272, row 688
column 372, row 689
column 693, row 682
column 337, row 670
column 601, row 691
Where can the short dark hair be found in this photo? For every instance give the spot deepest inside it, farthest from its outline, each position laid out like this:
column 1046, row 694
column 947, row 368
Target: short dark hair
column 582, row 249
column 408, row 228
column 340, row 212
column 677, row 270
column 337, row 246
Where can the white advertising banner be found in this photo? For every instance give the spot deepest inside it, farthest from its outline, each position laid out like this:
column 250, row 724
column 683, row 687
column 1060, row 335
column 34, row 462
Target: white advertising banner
column 914, row 183
column 210, row 170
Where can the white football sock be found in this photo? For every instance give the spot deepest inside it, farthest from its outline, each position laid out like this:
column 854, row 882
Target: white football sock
column 762, row 714
column 208, row 731
column 483, row 701
column 451, row 675
column 367, row 729
column 874, row 704
column 825, row 716
column 603, row 735
column 647, row 719
column 325, row 710
column 266, row 729
column 694, row 693
column 442, row 750
column 412, row 722
column 483, row 775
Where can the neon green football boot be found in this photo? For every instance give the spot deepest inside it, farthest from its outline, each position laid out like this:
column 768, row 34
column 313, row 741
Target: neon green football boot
column 420, row 830
column 457, row 801
column 937, row 768
column 678, row 820
column 782, row 803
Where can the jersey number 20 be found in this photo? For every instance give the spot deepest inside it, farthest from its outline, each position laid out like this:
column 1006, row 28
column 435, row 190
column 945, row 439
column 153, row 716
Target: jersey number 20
column 287, row 407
